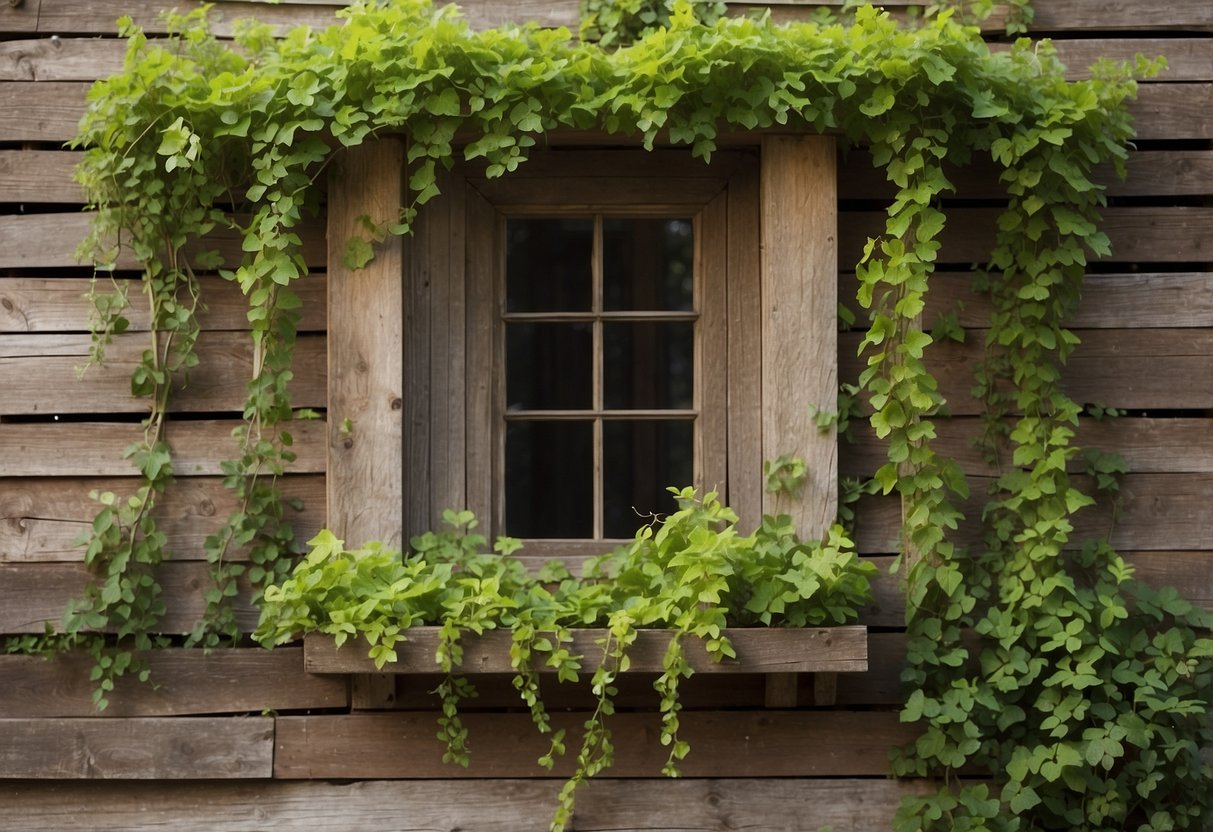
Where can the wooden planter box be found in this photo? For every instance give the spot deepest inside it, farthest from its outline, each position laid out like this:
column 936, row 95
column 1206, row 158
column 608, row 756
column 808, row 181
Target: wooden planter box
column 779, row 653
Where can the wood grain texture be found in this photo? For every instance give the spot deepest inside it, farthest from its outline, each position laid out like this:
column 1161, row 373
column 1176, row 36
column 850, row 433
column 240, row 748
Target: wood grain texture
column 51, row 240
column 187, row 682
column 707, row 805
column 800, row 304
column 137, row 749
column 60, row 304
column 365, row 370
column 1153, row 369
column 38, row 176
column 38, row 375
column 773, row 650
column 1159, row 300
column 712, row 345
column 32, row 595
column 723, row 743
column 1188, row 59
column 480, row 462
column 1103, row 15
column 41, row 519
column 95, row 449
column 60, row 59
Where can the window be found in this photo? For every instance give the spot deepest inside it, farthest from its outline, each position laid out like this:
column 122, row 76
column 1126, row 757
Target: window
column 581, row 333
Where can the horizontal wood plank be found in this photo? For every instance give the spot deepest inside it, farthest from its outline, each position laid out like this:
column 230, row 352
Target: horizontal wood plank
column 60, row 59
column 38, row 375
column 1188, row 59
column 621, row 805
column 61, row 304
column 184, row 682
column 137, row 749
column 41, row 520
column 95, row 449
column 1109, row 15
column 39, row 176
column 51, row 241
column 33, row 595
column 771, row 744
column 773, row 650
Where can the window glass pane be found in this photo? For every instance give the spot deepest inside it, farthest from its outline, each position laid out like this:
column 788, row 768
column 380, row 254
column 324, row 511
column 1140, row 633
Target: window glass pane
column 549, row 479
column 640, row 460
column 647, row 264
column 648, row 365
column 549, row 366
column 547, row 264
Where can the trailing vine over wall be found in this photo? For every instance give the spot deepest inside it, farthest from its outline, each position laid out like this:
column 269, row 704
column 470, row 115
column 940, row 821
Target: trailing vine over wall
column 1085, row 695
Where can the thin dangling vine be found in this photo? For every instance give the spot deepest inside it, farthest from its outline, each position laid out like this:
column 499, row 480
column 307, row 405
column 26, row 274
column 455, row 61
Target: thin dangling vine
column 1082, row 693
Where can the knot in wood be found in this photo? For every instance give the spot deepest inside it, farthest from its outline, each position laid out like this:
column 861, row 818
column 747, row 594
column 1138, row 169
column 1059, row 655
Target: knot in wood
column 396, row 403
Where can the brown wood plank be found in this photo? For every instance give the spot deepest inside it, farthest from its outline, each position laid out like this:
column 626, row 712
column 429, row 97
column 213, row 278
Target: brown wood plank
column 1173, row 111
column 1159, row 300
column 22, row 17
column 1149, row 446
column 48, row 112
column 1149, row 173
column 1188, row 59
column 60, row 304
column 137, row 749
column 745, row 492
column 186, row 682
column 763, row 744
column 1133, row 369
column 38, row 375
column 60, row 59
column 364, row 484
column 41, row 519
column 95, row 449
column 1108, row 15
column 32, row 595
column 42, row 176
column 773, row 650
column 588, row 163
column 800, row 307
column 51, row 240
column 627, row 192
column 480, row 461
column 701, row 805
column 712, row 345
column 1161, row 235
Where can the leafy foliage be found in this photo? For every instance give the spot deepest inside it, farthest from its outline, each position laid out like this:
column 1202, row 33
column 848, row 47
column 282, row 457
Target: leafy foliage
column 691, row 572
column 1086, row 694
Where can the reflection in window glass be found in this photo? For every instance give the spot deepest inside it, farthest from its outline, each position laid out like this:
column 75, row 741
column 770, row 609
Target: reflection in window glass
column 647, row 264
column 640, row 460
column 548, row 264
column 550, row 486
column 648, row 365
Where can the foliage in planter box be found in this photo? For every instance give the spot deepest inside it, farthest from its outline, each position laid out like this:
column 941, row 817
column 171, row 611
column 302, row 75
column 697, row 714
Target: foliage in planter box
column 691, row 572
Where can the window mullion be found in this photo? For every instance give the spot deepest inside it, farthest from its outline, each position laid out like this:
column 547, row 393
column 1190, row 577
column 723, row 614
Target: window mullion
column 598, row 398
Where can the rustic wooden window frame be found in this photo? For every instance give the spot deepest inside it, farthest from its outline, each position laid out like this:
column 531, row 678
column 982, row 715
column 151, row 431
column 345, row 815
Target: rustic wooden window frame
column 785, row 299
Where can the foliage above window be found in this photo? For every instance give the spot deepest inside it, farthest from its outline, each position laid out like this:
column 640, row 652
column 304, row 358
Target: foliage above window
column 1085, row 695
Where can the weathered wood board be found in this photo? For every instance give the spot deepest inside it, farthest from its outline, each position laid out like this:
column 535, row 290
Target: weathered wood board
column 723, row 743
column 153, row 748
column 774, row 650
column 183, row 682
column 622, row 805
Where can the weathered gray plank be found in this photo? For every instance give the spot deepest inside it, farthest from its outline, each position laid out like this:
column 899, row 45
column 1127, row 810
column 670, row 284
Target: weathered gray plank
column 32, row 595
column 789, row 805
column 51, row 240
column 95, row 449
column 1107, row 15
column 724, row 743
column 43, row 176
column 38, row 375
column 799, row 314
column 137, row 749
column 60, row 59
column 773, row 650
column 61, row 304
column 41, row 519
column 1188, row 59
column 184, row 682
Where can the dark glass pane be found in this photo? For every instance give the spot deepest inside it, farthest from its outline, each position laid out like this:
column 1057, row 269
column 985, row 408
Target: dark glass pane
column 647, row 264
column 549, row 366
column 640, row 460
column 549, row 479
column 547, row 265
column 648, row 365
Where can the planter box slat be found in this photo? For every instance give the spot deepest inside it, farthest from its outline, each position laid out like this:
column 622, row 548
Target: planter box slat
column 759, row 650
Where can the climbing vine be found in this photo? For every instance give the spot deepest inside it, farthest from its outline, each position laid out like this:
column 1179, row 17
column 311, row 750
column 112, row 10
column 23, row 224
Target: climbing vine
column 1083, row 694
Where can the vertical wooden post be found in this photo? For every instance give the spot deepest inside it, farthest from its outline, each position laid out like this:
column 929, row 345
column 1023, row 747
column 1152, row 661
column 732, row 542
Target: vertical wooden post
column 364, row 485
column 800, row 333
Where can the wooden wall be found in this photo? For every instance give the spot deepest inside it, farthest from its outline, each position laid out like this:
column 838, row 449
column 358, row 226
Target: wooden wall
column 256, row 717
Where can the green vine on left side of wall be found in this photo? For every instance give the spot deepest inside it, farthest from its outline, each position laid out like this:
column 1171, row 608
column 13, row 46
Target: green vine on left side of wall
column 195, row 135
